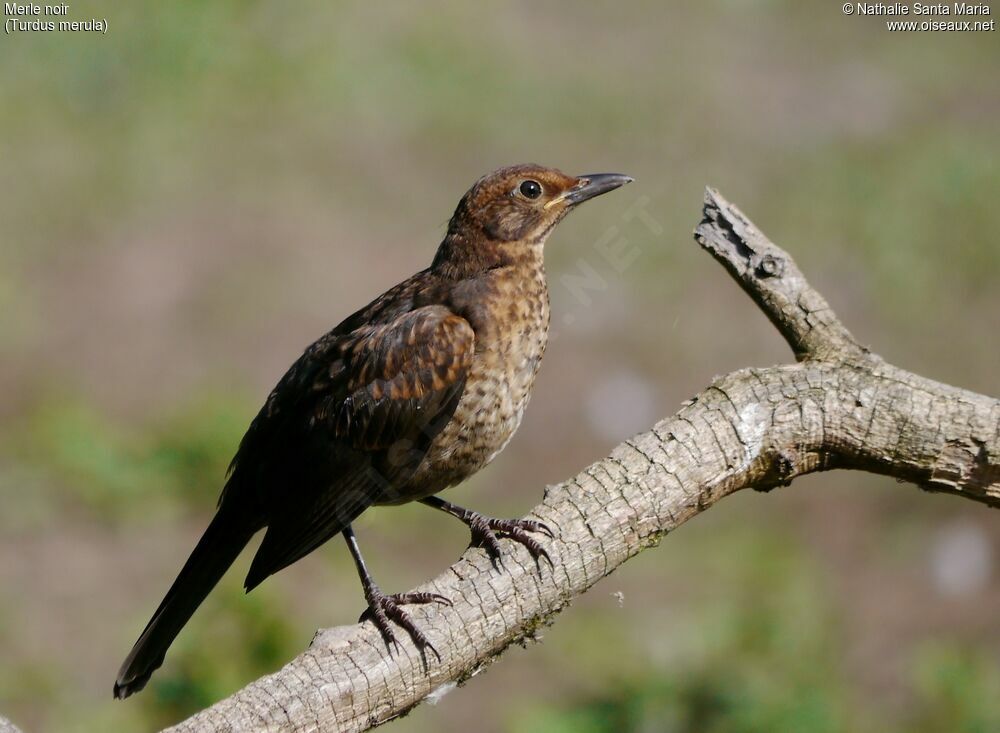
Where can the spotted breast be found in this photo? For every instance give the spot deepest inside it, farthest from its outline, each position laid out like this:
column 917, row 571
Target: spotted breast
column 509, row 313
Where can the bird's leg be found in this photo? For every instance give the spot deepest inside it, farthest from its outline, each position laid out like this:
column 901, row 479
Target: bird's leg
column 382, row 608
column 485, row 530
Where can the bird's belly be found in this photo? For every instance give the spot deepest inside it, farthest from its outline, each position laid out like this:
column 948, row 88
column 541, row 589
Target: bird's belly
column 487, row 416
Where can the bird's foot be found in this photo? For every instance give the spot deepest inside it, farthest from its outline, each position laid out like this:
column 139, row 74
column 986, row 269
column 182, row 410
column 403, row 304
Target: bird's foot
column 382, row 609
column 487, row 532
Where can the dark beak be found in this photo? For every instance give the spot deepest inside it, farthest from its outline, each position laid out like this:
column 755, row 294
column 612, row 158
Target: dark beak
column 595, row 184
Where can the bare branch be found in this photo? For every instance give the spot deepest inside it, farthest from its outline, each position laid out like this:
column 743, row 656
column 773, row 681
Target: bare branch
column 841, row 407
column 772, row 279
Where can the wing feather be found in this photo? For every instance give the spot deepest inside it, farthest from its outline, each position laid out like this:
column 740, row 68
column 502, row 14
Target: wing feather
column 348, row 425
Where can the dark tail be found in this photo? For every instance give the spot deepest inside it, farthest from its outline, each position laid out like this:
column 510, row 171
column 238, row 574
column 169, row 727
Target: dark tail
column 222, row 542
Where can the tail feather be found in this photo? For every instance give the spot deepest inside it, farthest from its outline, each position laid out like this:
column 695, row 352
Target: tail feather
column 221, row 544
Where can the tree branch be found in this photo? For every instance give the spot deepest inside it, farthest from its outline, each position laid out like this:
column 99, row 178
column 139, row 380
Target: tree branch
column 773, row 281
column 839, row 407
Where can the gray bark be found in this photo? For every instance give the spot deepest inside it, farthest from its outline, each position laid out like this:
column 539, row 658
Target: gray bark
column 839, row 406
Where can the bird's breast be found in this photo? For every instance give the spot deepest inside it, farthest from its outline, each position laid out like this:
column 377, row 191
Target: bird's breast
column 511, row 324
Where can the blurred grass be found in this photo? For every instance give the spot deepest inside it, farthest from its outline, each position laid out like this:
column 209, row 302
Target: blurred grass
column 247, row 634
column 758, row 688
column 770, row 662
column 119, row 471
column 190, row 199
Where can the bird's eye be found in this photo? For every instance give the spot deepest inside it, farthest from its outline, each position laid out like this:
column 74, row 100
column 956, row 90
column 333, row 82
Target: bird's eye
column 530, row 189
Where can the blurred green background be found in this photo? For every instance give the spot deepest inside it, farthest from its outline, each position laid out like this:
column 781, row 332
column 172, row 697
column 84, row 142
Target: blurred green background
column 190, row 199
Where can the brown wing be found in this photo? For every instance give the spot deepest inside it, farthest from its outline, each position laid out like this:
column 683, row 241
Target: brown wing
column 347, row 426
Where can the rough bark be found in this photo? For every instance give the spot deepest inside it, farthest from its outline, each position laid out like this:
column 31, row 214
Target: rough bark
column 840, row 406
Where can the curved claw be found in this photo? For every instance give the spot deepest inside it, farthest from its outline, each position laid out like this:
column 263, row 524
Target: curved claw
column 544, row 529
column 534, row 547
column 487, row 531
column 484, row 536
column 404, row 599
column 533, row 525
column 382, row 608
column 515, row 529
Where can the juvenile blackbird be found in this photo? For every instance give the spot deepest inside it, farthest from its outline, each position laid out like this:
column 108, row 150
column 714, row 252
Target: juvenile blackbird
column 410, row 395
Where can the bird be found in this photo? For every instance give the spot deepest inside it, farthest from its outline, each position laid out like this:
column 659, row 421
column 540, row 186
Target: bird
column 407, row 397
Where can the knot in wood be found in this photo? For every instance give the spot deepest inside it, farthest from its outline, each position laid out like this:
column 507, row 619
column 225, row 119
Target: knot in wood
column 770, row 266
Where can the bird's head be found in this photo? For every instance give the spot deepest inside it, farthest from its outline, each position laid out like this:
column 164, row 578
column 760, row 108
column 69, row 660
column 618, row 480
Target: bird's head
column 519, row 206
